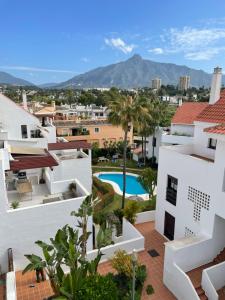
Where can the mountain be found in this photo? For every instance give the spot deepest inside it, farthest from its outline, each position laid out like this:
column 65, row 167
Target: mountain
column 47, row 85
column 136, row 72
column 6, row 78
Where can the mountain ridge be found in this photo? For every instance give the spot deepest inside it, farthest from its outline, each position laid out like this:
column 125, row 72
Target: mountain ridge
column 6, row 78
column 136, row 72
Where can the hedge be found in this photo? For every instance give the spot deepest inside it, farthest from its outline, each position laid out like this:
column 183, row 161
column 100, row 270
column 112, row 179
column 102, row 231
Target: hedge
column 104, row 191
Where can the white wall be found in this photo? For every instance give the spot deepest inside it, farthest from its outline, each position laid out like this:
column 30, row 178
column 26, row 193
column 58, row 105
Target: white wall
column 74, row 168
column 213, row 279
column 132, row 239
column 183, row 129
column 11, row 286
column 13, row 116
column 146, row 216
column 21, row 227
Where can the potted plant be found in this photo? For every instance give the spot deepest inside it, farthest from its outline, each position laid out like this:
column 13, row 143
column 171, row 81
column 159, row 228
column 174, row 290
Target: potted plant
column 42, row 179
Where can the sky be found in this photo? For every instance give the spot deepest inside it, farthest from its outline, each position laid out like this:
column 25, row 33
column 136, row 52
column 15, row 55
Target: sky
column 51, row 41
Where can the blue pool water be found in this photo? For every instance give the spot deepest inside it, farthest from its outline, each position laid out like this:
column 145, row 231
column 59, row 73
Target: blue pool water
column 133, row 187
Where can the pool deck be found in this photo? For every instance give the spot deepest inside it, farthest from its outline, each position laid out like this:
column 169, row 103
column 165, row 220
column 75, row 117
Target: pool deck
column 116, row 186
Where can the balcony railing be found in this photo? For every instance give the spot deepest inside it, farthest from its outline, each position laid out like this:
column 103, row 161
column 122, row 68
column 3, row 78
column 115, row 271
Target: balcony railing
column 171, row 196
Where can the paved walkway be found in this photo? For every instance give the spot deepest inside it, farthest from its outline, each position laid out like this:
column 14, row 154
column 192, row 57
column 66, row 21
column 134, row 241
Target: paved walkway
column 153, row 240
column 28, row 289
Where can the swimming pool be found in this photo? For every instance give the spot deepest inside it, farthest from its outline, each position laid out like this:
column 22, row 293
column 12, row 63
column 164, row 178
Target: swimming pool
column 133, row 186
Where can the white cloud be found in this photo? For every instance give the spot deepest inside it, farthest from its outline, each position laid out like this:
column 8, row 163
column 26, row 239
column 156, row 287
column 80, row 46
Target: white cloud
column 194, row 43
column 203, row 55
column 34, row 69
column 191, row 38
column 156, row 51
column 119, row 44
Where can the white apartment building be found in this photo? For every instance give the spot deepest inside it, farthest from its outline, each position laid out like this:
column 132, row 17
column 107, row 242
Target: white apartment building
column 191, row 207
column 89, row 111
column 36, row 172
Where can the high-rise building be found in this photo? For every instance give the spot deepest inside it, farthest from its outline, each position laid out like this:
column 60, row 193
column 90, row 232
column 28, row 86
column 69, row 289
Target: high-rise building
column 156, row 83
column 184, row 83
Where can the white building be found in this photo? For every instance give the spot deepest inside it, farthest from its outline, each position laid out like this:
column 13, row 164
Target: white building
column 190, row 205
column 89, row 111
column 36, row 171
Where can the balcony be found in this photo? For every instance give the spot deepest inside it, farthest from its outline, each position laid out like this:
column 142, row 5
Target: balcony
column 176, row 139
column 195, row 151
column 34, row 193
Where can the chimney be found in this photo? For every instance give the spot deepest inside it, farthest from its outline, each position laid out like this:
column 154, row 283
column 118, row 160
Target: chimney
column 24, row 97
column 216, row 85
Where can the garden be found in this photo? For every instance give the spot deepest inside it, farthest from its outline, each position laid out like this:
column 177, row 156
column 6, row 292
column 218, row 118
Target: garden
column 67, row 250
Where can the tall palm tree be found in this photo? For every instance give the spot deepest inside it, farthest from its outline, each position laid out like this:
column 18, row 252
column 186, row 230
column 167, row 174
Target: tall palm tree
column 125, row 111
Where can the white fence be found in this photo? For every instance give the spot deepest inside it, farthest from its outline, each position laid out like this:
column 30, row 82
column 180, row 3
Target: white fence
column 132, row 239
column 146, row 216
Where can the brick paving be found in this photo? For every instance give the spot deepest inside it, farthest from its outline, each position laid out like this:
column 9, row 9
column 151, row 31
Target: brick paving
column 153, row 240
column 196, row 278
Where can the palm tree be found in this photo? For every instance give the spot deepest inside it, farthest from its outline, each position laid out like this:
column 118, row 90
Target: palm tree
column 125, row 111
column 148, row 179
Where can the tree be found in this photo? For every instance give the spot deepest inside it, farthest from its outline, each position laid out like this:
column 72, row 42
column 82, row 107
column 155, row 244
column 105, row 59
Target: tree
column 148, row 179
column 83, row 213
column 123, row 112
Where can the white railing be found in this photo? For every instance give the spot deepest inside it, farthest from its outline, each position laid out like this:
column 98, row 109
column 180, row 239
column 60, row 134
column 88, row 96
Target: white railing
column 11, row 286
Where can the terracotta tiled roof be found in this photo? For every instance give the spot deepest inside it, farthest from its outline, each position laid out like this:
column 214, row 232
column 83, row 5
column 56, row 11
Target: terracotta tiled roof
column 69, row 145
column 187, row 112
column 23, row 162
column 214, row 113
column 218, row 129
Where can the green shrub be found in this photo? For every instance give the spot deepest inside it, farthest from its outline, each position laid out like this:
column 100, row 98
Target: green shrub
column 130, row 211
column 122, row 263
column 141, row 275
column 99, row 287
column 149, row 289
column 15, row 204
column 105, row 193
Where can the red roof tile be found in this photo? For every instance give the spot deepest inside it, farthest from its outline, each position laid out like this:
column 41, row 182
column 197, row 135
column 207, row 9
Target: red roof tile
column 187, row 112
column 214, row 113
column 69, row 145
column 23, row 162
column 218, row 129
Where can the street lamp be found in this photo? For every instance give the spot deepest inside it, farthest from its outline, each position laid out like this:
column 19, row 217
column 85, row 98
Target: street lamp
column 134, row 263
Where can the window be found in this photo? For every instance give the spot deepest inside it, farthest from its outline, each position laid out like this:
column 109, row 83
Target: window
column 212, row 143
column 84, row 129
column 171, row 191
column 96, row 130
column 24, row 131
column 154, row 142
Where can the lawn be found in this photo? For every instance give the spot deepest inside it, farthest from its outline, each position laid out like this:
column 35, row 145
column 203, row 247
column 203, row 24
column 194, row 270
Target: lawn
column 119, row 163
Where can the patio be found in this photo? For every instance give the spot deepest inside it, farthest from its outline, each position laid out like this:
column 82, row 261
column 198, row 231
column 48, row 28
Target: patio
column 36, row 197
column 28, row 289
